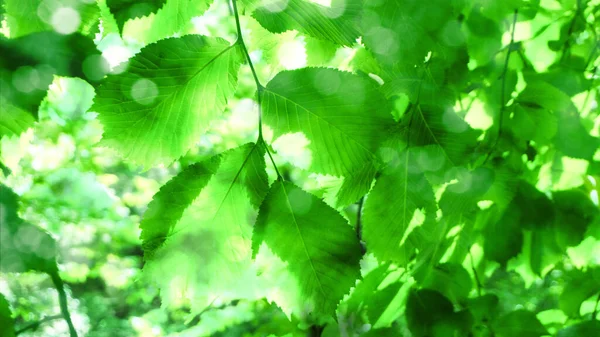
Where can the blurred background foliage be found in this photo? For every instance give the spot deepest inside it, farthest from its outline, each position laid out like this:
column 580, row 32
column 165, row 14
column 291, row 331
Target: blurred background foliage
column 91, row 201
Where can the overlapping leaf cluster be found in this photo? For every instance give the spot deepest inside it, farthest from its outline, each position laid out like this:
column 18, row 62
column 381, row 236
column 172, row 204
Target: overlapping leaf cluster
column 454, row 140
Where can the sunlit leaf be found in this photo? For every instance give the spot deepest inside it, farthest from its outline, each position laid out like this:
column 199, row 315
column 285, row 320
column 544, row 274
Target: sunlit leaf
column 172, row 90
column 343, row 115
column 311, row 237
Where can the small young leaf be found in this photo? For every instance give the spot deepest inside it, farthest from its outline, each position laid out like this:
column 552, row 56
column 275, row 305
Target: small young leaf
column 311, row 237
column 356, row 185
column 344, row 116
column 157, row 109
column 338, row 23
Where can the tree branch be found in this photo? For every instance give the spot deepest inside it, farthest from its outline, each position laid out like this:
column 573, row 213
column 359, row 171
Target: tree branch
column 62, row 301
column 35, row 325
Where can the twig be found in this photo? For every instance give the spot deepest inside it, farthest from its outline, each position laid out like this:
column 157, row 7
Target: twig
column 35, row 325
column 62, row 301
column 477, row 280
column 503, row 86
column 361, row 203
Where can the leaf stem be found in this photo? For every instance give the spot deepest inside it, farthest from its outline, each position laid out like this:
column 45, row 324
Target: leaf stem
column 503, row 85
column 62, row 301
column 242, row 44
column 36, row 324
column 361, row 203
column 259, row 87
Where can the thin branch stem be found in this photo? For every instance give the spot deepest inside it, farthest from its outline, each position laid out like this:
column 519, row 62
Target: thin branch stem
column 62, row 301
column 595, row 312
column 503, row 85
column 35, row 325
column 361, row 203
column 259, row 87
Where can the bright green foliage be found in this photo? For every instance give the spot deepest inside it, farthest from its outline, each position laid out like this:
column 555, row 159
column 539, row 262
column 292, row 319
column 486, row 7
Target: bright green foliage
column 403, row 185
column 124, row 10
column 63, row 16
column 142, row 109
column 308, row 168
column 344, row 116
column 337, row 23
column 311, row 237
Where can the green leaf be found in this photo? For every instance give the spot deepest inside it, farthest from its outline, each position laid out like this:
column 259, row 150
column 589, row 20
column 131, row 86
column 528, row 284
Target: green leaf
column 530, row 123
column 520, row 323
column 574, row 214
column 7, row 323
column 172, row 90
column 338, row 23
column 581, row 286
column 63, row 16
column 343, row 115
column 368, row 295
column 23, row 247
column 27, row 67
column 167, row 206
column 311, row 237
column 571, row 137
column 450, row 139
column 429, row 313
column 210, row 244
column 583, row 329
column 503, row 237
column 15, row 120
column 450, row 279
column 398, row 193
column 356, row 185
column 124, row 10
column 173, row 19
column 537, row 211
column 405, row 31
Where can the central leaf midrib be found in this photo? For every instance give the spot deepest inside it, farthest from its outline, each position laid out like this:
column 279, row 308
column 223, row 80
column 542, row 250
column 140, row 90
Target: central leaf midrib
column 287, row 199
